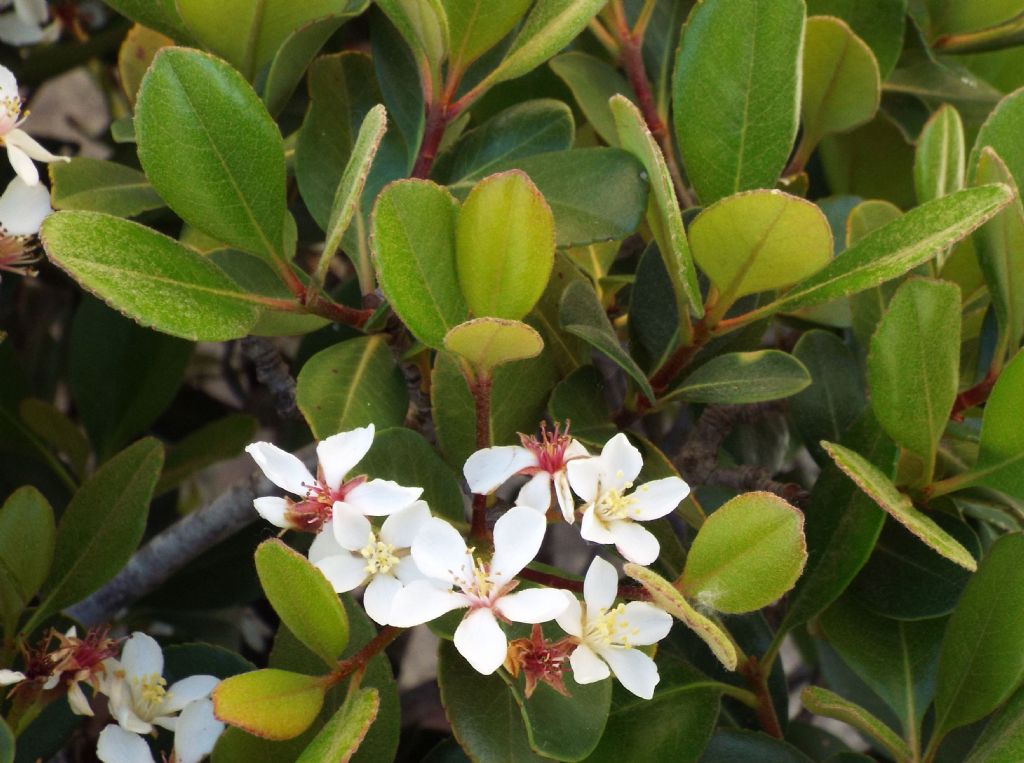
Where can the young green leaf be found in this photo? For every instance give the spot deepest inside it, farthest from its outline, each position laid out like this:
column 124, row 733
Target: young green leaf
column 162, row 16
column 747, row 554
column 271, row 703
column 736, row 95
column 149, row 277
column 96, row 185
column 939, row 158
column 423, row 25
column 743, row 377
column 879, row 23
column 830, row 705
column 593, row 83
column 476, row 26
column 504, row 246
column 486, row 343
column 303, row 598
column 413, row 240
column 27, row 534
column 341, row 736
column 1000, row 132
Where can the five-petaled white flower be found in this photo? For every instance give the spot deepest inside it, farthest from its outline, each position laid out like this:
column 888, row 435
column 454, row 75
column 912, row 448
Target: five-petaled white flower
column 611, row 515
column 349, row 553
column 608, row 634
column 484, row 587
column 21, row 148
column 544, row 460
column 327, row 494
column 23, row 208
column 138, row 692
column 26, row 23
column 194, row 738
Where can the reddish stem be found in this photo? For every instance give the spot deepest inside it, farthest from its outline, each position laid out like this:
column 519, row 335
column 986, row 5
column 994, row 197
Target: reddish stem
column 358, row 661
column 757, row 680
column 350, row 316
column 437, row 120
column 973, row 396
column 633, row 592
column 676, row 362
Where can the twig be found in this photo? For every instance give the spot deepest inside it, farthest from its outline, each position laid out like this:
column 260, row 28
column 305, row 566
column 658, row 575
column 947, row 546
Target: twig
column 633, row 592
column 273, row 373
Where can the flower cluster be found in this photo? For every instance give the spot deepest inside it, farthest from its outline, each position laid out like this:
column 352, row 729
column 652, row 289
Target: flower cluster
column 417, row 567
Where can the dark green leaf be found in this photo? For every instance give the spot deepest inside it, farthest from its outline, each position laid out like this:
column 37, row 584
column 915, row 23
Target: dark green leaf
column 217, row 441
column 743, row 377
column 734, row 745
column 26, row 550
column 99, row 186
column 592, row 82
column 878, row 22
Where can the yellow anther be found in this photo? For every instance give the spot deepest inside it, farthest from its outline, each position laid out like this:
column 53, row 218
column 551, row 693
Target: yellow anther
column 612, row 504
column 380, row 556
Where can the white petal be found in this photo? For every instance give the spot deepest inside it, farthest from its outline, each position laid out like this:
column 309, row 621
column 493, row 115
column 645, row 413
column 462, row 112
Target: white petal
column 78, row 701
column 481, row 641
column 571, row 620
column 407, row 571
column 647, row 623
column 324, row 544
column 344, row 571
column 378, row 498
column 169, row 722
column 587, row 667
column 401, row 528
column 575, row 449
column 281, row 468
column 657, row 498
column 339, row 453
column 32, row 147
column 489, row 468
column 536, row 493
column 119, row 746
column 601, row 586
column 352, row 531
column 564, row 494
column 21, row 163
column 23, row 208
column 8, row 677
column 532, row 605
column 8, row 83
column 634, row 542
column 123, row 710
column 517, row 538
column 621, row 462
column 187, row 690
column 420, row 602
column 273, row 510
column 197, row 732
column 585, row 476
column 141, row 657
column 379, row 598
column 440, row 552
column 16, row 31
column 32, row 11
column 634, row 669
column 593, row 529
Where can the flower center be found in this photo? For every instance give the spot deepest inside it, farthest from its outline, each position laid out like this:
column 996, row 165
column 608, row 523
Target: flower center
column 612, row 504
column 152, row 689
column 549, row 449
column 380, row 556
column 610, row 627
column 10, row 110
column 317, row 507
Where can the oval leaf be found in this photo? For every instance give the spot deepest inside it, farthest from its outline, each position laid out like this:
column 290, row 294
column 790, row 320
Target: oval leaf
column 744, row 377
column 486, row 343
column 830, row 705
column 939, row 159
column 27, row 532
column 476, row 26
column 273, row 704
column 341, row 736
column 100, row 186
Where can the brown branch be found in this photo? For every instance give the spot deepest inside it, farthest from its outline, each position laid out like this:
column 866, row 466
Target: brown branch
column 273, row 373
column 359, row 660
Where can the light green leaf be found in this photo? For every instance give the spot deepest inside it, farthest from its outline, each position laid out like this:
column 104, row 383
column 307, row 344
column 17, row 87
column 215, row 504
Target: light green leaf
column 151, row 278
column 161, row 15
column 743, row 377
column 100, row 186
column 823, row 702
column 736, row 95
column 873, row 482
column 1001, row 132
column 293, row 58
column 352, row 384
column 413, row 239
column 303, row 598
column 273, row 704
column 27, row 532
column 211, row 150
column 914, row 368
column 746, row 555
column 504, row 246
column 424, row 27
column 981, row 662
column 476, row 26
column 593, row 82
column 950, row 16
column 663, row 213
column 939, row 158
column 341, row 736
column 879, row 23
column 486, row 343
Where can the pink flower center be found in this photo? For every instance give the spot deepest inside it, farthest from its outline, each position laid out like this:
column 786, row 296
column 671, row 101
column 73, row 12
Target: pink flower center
column 317, row 508
column 549, row 449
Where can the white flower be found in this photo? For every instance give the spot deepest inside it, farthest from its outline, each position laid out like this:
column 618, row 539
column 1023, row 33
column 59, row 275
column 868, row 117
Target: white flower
column 21, row 148
column 26, row 24
column 544, row 460
column 608, row 634
column 611, row 515
column 196, row 734
column 485, row 587
column 328, row 492
column 349, row 553
column 139, row 697
column 23, row 208
column 10, row 677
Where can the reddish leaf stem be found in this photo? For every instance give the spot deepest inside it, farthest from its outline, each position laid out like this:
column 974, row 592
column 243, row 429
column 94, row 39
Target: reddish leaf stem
column 358, row 661
column 757, row 679
column 437, row 120
column 973, row 396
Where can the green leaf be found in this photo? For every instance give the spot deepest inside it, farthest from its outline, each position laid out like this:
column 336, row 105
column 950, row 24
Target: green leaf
column 735, row 93
column 653, row 315
column 1002, row 741
column 549, row 28
column 593, row 82
column 7, row 743
column 271, row 703
column 100, row 186
column 341, row 736
column 579, row 399
column 303, row 598
column 841, row 88
column 424, row 27
column 476, row 26
column 873, row 482
column 27, row 532
column 504, row 246
column 939, row 157
column 149, row 277
column 663, row 212
column 829, row 704
column 981, row 662
column 879, row 23
column 1000, row 133
column 895, row 248
column 101, row 527
column 413, row 243
column 123, row 376
column 747, row 244
column 212, row 443
column 914, row 367
column 733, row 745
column 743, row 377
column 582, row 315
column 249, row 34
column 293, row 59
column 486, row 343
column 352, row 384
column 952, row 17
column 747, row 554
column 161, row 15
column 58, row 431
column 211, row 150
